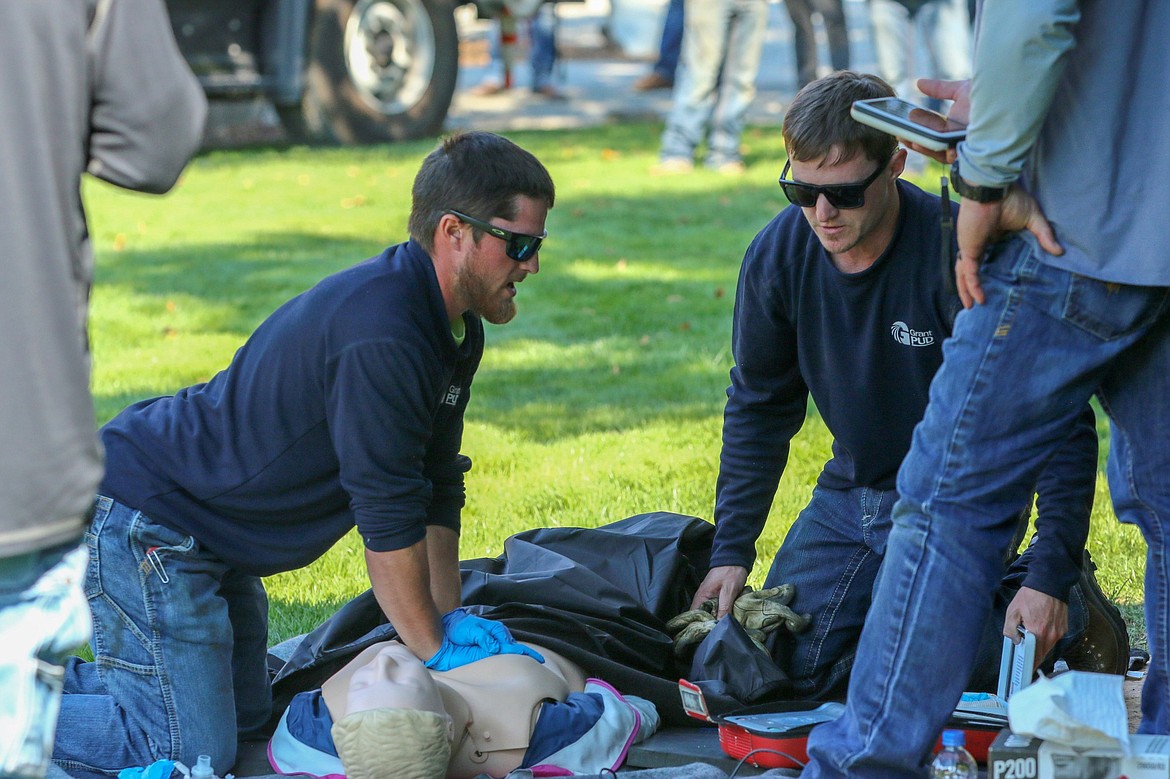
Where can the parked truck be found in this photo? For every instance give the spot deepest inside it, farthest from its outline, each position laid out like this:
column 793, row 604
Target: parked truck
column 337, row 71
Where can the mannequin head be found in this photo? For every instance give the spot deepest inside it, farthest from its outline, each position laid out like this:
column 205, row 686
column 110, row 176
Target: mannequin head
column 476, row 718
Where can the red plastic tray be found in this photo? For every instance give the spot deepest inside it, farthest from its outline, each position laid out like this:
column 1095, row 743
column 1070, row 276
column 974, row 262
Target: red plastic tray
column 738, row 740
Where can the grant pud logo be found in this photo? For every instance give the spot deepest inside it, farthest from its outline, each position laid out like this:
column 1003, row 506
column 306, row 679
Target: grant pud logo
column 452, row 395
column 907, row 337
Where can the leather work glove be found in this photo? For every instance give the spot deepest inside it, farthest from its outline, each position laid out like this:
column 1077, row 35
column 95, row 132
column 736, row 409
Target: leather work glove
column 705, row 613
column 467, row 638
column 766, row 610
column 691, row 627
column 691, row 635
column 758, row 637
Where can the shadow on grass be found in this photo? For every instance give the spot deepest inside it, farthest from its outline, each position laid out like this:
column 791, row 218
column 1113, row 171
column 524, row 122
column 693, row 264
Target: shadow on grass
column 252, row 279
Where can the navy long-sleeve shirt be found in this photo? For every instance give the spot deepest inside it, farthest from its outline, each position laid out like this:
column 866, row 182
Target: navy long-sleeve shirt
column 865, row 346
column 344, row 407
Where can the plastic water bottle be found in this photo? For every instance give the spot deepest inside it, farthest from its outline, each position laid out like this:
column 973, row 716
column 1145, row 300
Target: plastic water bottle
column 954, row 761
column 203, row 769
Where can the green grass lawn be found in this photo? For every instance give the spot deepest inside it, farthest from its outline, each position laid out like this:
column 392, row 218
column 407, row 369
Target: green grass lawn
column 602, row 399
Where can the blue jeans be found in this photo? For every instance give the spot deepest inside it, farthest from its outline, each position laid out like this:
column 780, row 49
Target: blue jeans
column 542, row 54
column 671, row 45
column 43, row 618
column 179, row 643
column 717, row 80
column 942, row 27
column 833, row 554
column 1015, row 374
column 542, row 46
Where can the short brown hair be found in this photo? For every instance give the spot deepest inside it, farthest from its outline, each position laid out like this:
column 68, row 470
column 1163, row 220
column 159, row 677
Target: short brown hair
column 818, row 120
column 477, row 173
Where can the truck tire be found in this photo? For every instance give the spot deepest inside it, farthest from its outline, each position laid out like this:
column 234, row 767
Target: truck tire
column 377, row 70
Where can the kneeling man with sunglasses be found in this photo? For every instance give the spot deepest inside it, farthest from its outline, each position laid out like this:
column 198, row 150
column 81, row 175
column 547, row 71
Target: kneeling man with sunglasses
column 843, row 297
column 344, row 408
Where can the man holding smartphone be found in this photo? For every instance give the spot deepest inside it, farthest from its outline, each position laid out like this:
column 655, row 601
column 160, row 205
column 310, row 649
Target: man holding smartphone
column 1065, row 180
column 842, row 297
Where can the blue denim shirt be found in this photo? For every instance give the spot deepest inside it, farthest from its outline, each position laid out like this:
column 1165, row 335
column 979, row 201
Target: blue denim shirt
column 1064, row 101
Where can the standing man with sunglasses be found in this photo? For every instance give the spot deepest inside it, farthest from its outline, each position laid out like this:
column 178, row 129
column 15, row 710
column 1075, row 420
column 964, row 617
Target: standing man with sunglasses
column 344, row 408
column 843, row 297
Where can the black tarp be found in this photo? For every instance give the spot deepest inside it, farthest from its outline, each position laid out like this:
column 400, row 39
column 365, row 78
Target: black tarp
column 598, row 596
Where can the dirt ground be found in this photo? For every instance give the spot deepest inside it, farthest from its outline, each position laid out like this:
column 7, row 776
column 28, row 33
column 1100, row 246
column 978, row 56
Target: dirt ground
column 1133, row 701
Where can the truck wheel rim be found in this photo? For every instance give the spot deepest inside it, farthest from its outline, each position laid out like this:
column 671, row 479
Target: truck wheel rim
column 390, row 53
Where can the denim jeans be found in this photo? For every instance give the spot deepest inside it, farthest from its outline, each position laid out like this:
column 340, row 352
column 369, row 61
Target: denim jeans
column 671, row 45
column 832, row 554
column 179, row 643
column 942, row 28
column 542, row 46
column 717, row 78
column 542, row 41
column 1015, row 374
column 43, row 618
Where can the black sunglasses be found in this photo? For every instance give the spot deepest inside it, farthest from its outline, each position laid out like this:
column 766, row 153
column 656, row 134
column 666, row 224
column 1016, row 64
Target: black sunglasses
column 838, row 195
column 518, row 246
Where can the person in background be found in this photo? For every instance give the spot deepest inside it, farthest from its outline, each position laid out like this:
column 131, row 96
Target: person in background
column 805, row 40
column 903, row 28
column 94, row 86
column 722, row 41
column 1065, row 183
column 661, row 76
column 344, row 408
column 542, row 53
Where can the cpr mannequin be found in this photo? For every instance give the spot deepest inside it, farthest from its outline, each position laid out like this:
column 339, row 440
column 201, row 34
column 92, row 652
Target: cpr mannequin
column 491, row 705
column 388, row 717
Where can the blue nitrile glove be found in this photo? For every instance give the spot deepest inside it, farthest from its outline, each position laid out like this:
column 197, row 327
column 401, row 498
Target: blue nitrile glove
column 467, row 638
column 463, row 628
column 159, row 769
column 452, row 655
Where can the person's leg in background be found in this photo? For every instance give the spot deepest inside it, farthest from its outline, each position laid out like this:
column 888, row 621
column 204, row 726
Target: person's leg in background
column 804, row 40
column 542, row 50
column 737, row 84
column 672, row 36
column 831, row 555
column 944, row 27
column 893, row 44
column 663, row 73
column 695, row 91
column 43, row 618
column 1135, row 395
column 833, row 14
column 493, row 85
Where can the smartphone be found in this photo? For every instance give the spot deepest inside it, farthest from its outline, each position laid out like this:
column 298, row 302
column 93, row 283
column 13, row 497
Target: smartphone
column 900, row 118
